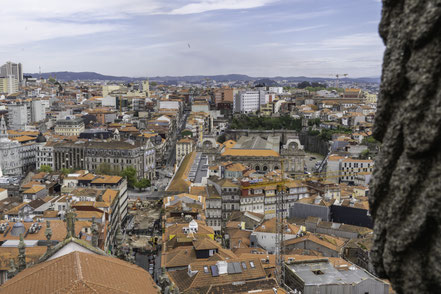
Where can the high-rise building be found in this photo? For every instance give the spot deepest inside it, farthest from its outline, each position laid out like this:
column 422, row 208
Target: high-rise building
column 12, row 69
column 8, row 85
column 18, row 116
column 38, row 110
column 248, row 101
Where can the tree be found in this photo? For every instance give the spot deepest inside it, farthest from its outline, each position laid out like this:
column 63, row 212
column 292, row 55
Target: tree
column 66, row 171
column 105, row 169
column 303, row 85
column 314, row 121
column 130, row 174
column 186, row 133
column 45, row 168
column 369, row 140
column 221, row 139
column 365, row 154
column 142, row 184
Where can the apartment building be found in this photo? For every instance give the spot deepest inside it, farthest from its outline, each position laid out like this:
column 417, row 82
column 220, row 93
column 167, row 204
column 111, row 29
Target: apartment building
column 69, row 127
column 183, row 147
column 248, row 101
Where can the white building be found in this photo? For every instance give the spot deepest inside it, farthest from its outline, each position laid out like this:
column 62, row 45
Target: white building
column 45, row 155
column 278, row 90
column 265, row 234
column 38, row 110
column 183, row 147
column 248, row 101
column 18, row 116
column 351, row 168
column 170, row 104
column 15, row 158
column 3, row 192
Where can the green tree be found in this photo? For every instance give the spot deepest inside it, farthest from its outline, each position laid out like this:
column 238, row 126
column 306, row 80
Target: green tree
column 186, row 133
column 221, row 139
column 365, row 154
column 266, row 123
column 130, row 174
column 142, row 184
column 66, row 171
column 369, row 140
column 303, row 85
column 45, row 168
column 314, row 121
column 105, row 169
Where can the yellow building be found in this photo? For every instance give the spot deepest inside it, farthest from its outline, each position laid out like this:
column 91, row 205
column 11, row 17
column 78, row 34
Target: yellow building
column 8, row 85
column 267, row 109
column 69, row 127
column 107, row 89
column 371, row 98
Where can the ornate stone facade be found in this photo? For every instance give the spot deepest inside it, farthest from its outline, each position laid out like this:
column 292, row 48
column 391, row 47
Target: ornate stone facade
column 15, row 158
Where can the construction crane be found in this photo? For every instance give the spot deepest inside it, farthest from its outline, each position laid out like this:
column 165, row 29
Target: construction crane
column 337, row 79
column 281, row 190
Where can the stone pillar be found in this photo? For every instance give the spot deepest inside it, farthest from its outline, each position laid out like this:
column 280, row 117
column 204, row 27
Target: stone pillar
column 405, row 199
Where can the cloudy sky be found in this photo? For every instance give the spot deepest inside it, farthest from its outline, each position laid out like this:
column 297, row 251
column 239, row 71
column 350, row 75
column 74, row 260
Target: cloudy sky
column 192, row 37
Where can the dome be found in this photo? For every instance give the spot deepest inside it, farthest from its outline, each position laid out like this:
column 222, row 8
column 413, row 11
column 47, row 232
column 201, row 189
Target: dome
column 40, row 138
column 17, row 229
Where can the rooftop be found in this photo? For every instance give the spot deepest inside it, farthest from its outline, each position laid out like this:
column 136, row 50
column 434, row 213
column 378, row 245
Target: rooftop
column 79, row 272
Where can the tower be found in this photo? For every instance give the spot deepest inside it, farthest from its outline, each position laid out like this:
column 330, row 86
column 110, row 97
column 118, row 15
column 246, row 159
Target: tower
column 116, row 135
column 146, row 87
column 3, row 129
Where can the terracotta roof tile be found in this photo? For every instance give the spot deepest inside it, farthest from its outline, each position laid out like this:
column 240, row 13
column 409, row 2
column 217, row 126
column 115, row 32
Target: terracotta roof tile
column 79, row 272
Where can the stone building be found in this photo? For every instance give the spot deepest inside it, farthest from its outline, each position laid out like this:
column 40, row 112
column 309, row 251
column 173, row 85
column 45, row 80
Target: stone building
column 69, row 127
column 15, row 158
column 183, row 147
column 117, row 155
column 264, row 155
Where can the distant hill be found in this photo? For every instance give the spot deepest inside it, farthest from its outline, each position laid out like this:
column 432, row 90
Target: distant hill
column 93, row 76
column 82, row 76
column 266, row 83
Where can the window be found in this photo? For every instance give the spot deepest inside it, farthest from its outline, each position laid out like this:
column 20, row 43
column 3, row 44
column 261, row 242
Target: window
column 244, row 265
column 205, row 269
column 252, row 264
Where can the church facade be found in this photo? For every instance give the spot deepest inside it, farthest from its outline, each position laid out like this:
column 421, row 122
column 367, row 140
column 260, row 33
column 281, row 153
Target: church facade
column 259, row 154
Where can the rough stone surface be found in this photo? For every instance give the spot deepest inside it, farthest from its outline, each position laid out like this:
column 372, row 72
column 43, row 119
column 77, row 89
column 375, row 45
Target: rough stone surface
column 406, row 189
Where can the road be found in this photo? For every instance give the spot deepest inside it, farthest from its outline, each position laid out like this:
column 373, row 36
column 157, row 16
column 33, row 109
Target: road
column 311, row 159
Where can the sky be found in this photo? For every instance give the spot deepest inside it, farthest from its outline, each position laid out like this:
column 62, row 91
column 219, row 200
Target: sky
column 141, row 38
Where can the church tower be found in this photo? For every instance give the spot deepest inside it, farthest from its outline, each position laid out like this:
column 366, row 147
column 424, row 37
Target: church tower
column 3, row 130
column 146, row 87
column 116, row 135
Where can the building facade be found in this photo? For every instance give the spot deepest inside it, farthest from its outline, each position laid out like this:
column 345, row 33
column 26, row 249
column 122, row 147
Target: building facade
column 248, row 101
column 15, row 159
column 183, row 147
column 69, row 127
column 115, row 155
column 18, row 116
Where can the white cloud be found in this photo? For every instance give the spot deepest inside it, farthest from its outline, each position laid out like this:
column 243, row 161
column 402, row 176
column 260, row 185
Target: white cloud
column 353, row 40
column 23, row 21
column 209, row 5
column 298, row 29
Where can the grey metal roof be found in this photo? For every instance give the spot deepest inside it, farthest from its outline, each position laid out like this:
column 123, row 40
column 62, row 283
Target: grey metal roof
column 323, row 273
